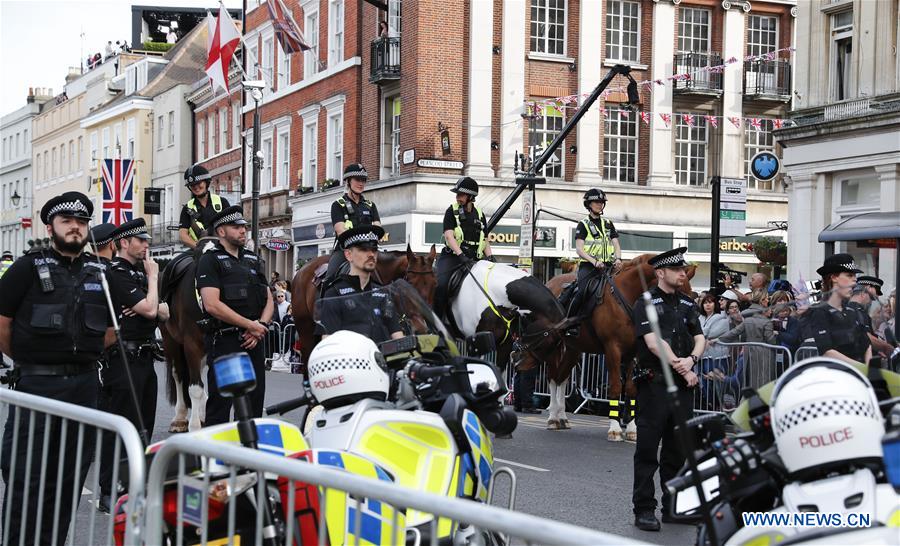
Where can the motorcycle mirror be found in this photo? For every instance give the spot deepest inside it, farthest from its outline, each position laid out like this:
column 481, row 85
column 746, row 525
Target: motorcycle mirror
column 890, row 445
column 480, row 344
column 234, row 374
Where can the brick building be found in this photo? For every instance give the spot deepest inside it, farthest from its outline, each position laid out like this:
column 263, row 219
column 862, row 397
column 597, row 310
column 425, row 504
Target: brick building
column 424, row 93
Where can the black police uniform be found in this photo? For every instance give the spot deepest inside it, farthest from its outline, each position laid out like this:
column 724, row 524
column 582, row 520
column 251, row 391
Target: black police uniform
column 57, row 333
column 586, row 270
column 371, row 315
column 243, row 288
column 130, row 284
column 840, row 329
column 679, row 322
column 354, row 215
column 472, row 226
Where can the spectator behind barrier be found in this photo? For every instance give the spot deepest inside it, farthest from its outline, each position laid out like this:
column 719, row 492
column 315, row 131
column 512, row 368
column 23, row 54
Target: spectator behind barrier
column 759, row 365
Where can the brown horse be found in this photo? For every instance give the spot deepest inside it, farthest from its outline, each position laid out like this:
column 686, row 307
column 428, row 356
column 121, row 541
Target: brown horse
column 393, row 265
column 183, row 340
column 609, row 330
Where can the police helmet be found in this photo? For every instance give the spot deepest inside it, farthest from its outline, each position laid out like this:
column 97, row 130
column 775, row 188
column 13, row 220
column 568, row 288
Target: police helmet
column 355, row 170
column 593, row 194
column 347, row 365
column 196, row 174
column 466, row 185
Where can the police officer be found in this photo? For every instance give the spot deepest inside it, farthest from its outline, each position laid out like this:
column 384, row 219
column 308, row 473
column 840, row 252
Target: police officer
column 837, row 329
column 5, row 261
column 134, row 277
column 867, row 290
column 465, row 235
column 53, row 322
column 234, row 292
column 376, row 319
column 198, row 212
column 596, row 243
column 101, row 242
column 683, row 343
column 349, row 211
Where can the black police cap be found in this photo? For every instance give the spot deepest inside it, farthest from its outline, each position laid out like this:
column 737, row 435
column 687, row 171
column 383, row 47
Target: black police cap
column 363, row 236
column 134, row 228
column 102, row 234
column 839, row 263
column 233, row 215
column 669, row 258
column 72, row 204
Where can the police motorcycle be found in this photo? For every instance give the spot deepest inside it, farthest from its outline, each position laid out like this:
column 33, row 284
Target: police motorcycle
column 412, row 406
column 206, row 493
column 820, row 449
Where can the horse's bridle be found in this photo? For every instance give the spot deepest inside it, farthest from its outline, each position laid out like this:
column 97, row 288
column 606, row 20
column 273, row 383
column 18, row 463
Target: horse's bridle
column 551, row 333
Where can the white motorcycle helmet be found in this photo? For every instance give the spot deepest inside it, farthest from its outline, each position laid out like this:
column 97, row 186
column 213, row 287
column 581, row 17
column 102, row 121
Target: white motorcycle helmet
column 825, row 414
column 345, row 367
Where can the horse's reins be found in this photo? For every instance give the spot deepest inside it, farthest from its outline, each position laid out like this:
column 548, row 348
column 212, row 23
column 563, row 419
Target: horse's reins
column 491, row 304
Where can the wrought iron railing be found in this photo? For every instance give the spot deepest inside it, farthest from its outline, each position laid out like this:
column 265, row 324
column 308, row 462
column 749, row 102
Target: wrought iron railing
column 698, row 79
column 385, row 59
column 164, row 233
column 767, row 78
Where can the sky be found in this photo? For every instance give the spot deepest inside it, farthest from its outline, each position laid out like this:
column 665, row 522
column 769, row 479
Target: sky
column 40, row 39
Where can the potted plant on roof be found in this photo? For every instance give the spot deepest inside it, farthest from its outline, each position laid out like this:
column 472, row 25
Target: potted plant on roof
column 771, row 250
column 330, row 183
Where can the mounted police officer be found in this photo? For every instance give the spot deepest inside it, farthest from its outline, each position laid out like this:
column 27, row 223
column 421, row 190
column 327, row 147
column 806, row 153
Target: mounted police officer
column 465, row 235
column 53, row 322
column 373, row 316
column 198, row 212
column 6, row 260
column 134, row 278
column 837, row 329
column 683, row 343
column 349, row 211
column 234, row 292
column 101, row 242
column 597, row 244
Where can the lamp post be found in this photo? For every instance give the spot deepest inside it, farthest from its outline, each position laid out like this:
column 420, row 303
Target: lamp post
column 255, row 88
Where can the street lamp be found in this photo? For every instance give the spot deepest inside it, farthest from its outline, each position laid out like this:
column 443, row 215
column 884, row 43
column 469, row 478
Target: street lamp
column 255, row 87
column 15, row 198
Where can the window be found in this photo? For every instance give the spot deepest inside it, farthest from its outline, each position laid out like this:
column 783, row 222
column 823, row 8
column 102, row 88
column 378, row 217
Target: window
column 4, row 150
column 311, row 32
column 37, row 168
column 268, row 63
column 71, row 156
column 254, row 58
column 547, row 126
column 211, row 129
column 762, row 37
column 18, row 144
column 46, row 165
column 78, row 163
column 25, row 142
column 335, row 32
column 284, row 68
column 53, row 164
column 94, row 147
column 62, row 159
column 620, row 145
column 160, row 130
column 842, row 53
column 117, row 131
column 693, row 30
column 201, row 136
column 335, row 145
column 171, row 128
column 690, row 151
column 223, row 129
column 310, row 153
column 394, row 127
column 284, row 159
column 755, row 141
column 548, row 26
column 129, row 138
column 623, row 23
column 236, row 134
column 266, row 182
column 105, row 154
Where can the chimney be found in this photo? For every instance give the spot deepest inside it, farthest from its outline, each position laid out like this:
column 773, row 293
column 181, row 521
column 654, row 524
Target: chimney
column 74, row 73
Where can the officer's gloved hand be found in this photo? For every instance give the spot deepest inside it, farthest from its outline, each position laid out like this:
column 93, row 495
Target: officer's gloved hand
column 465, row 260
column 491, row 258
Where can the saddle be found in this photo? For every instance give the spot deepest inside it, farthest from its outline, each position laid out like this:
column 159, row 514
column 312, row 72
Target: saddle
column 453, row 286
column 593, row 294
column 175, row 270
column 319, row 274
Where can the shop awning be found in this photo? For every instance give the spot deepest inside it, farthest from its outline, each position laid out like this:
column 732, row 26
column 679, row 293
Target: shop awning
column 863, row 227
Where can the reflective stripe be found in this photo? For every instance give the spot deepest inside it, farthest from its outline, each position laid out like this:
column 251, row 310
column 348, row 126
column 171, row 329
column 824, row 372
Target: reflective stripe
column 216, row 202
column 597, row 243
column 460, row 237
column 3, row 267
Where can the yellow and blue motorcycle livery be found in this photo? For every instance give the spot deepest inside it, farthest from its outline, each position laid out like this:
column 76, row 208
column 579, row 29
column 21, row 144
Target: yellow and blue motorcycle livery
column 413, row 406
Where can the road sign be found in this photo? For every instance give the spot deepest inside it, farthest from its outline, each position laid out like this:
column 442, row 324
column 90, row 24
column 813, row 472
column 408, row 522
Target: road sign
column 733, row 207
column 26, row 223
column 734, row 190
column 526, row 241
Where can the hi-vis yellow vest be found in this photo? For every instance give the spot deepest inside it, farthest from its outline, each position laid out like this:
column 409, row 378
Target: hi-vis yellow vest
column 4, row 265
column 192, row 204
column 597, row 244
column 460, row 237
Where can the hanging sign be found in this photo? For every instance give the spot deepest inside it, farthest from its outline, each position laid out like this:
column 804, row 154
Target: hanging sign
column 152, row 200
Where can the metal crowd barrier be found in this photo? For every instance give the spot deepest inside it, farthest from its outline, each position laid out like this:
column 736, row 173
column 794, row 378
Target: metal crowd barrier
column 60, row 444
column 363, row 493
column 593, row 381
column 747, row 364
column 278, row 345
column 805, row 351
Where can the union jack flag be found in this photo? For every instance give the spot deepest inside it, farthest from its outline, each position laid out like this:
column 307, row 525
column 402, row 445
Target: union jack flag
column 713, row 121
column 777, row 123
column 645, row 117
column 286, row 30
column 688, row 119
column 756, row 123
column 667, row 119
column 118, row 190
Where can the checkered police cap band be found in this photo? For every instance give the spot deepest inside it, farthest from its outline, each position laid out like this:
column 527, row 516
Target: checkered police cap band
column 851, row 265
column 68, row 206
column 140, row 230
column 466, row 191
column 825, row 408
column 869, row 282
column 193, row 179
column 357, row 173
column 674, row 259
column 227, row 219
column 103, row 242
column 367, row 237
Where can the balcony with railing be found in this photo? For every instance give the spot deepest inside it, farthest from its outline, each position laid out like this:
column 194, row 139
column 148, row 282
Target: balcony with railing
column 699, row 81
column 385, row 59
column 768, row 80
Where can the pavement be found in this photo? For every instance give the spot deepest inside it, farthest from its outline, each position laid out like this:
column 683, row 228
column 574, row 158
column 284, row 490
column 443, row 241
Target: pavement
column 574, row 476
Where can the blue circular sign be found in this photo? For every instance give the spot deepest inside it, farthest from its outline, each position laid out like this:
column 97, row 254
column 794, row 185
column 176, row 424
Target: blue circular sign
column 765, row 166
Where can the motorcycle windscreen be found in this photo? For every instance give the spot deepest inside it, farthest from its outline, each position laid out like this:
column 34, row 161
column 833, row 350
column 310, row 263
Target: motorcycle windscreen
column 687, row 500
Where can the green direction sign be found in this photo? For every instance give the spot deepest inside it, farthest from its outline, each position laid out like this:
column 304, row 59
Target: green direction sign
column 733, row 215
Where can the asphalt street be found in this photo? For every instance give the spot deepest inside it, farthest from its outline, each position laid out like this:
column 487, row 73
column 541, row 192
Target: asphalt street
column 573, row 476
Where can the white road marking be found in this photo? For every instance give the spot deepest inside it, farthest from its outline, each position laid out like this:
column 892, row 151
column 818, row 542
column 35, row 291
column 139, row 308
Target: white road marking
column 527, row 466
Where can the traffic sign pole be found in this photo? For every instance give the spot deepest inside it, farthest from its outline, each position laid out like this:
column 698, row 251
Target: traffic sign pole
column 715, row 182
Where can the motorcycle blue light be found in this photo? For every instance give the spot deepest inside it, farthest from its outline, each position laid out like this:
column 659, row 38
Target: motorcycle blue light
column 890, row 444
column 234, row 374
